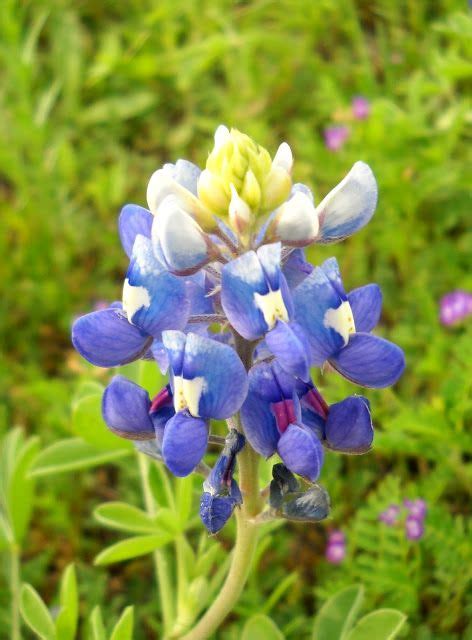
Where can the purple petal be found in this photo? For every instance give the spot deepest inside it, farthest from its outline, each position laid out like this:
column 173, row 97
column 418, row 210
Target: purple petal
column 290, row 346
column 366, row 305
column 215, row 511
column 106, row 338
column 370, row 361
column 133, row 221
column 296, row 268
column 349, row 426
column 184, row 443
column 125, row 409
column 301, row 451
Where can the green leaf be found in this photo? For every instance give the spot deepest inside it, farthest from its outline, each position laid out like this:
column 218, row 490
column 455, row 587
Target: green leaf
column 125, row 517
column 36, row 614
column 66, row 621
column 124, row 627
column 383, row 624
column 21, row 489
column 70, row 455
column 88, row 424
column 97, row 627
column 260, row 626
column 337, row 615
column 120, row 107
column 132, row 548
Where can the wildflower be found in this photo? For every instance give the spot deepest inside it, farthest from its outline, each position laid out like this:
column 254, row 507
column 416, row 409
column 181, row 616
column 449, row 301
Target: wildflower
column 416, row 508
column 335, row 137
column 390, row 515
column 360, row 107
column 225, row 246
column 208, row 381
column 287, row 500
column 336, row 547
column 414, row 528
column 282, row 415
column 455, row 306
column 220, row 491
column 338, row 328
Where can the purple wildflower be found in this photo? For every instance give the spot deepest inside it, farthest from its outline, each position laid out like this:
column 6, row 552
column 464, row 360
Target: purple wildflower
column 416, row 508
column 390, row 515
column 414, row 528
column 336, row 547
column 335, row 137
column 455, row 306
column 360, row 107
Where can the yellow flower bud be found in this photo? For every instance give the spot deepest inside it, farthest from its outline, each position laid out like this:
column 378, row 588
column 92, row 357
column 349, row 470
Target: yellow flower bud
column 275, row 189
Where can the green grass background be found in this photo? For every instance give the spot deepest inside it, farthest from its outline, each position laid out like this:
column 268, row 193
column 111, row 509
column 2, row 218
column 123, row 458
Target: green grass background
column 94, row 96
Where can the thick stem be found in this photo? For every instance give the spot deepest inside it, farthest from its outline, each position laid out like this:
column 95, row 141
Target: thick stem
column 15, row 592
column 161, row 563
column 246, row 530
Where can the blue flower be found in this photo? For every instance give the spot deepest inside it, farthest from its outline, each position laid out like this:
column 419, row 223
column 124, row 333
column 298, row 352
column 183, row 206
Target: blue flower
column 256, row 300
column 208, row 380
column 290, row 417
column 220, row 491
column 338, row 324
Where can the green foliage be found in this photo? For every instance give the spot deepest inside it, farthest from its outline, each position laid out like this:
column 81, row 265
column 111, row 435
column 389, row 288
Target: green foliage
column 36, row 614
column 260, row 626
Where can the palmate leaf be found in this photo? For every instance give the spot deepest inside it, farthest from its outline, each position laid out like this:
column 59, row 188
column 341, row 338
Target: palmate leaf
column 124, row 517
column 67, row 618
column 337, row 615
column 383, row 624
column 260, row 626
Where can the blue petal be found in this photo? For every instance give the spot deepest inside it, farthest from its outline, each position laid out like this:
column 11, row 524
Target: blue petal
column 370, row 361
column 301, row 451
column 269, row 257
column 290, row 346
column 159, row 420
column 258, row 420
column 125, row 409
column 241, row 279
column 225, row 380
column 184, row 443
column 106, row 338
column 349, row 206
column 215, row 511
column 296, row 268
column 313, row 299
column 366, row 305
column 174, row 343
column 133, row 221
column 349, row 426
column 153, row 298
column 331, row 269
column 197, row 293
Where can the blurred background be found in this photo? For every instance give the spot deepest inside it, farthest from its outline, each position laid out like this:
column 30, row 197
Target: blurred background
column 94, row 96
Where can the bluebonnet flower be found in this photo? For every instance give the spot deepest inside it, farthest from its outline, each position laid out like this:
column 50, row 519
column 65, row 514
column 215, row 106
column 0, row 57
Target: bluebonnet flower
column 225, row 246
column 288, row 500
column 220, row 491
column 283, row 415
column 338, row 328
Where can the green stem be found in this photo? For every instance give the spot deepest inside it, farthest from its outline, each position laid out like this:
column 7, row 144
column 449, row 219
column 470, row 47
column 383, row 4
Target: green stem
column 15, row 592
column 161, row 563
column 246, row 540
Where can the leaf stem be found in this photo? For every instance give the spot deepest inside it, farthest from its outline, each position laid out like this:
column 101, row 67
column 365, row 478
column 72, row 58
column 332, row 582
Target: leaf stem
column 161, row 563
